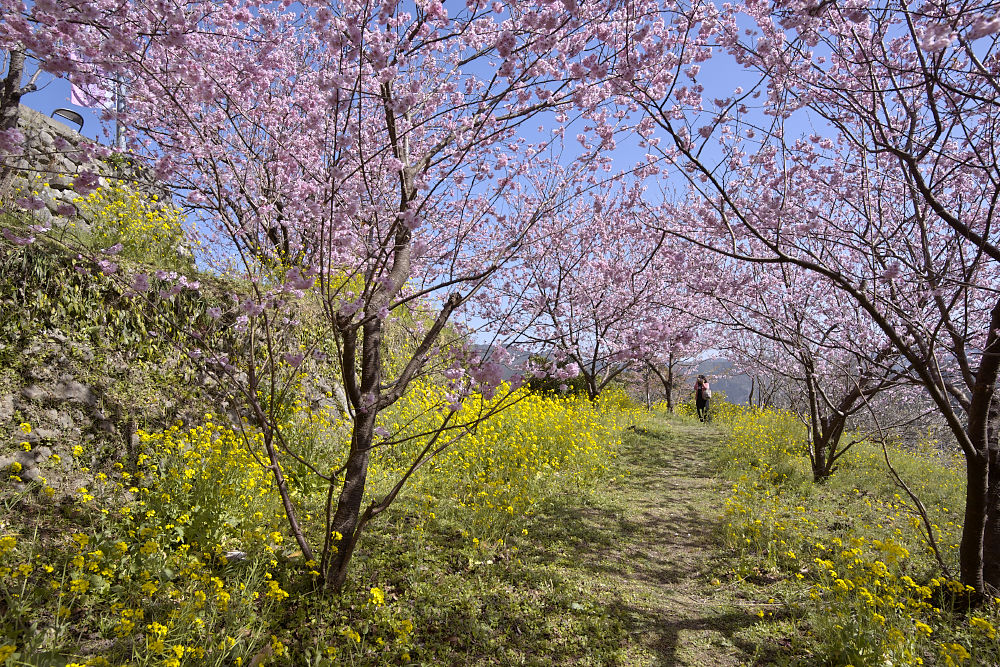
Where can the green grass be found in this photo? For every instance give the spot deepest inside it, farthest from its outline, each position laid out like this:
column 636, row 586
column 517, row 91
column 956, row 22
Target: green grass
column 845, row 561
column 139, row 575
column 670, row 547
column 621, row 575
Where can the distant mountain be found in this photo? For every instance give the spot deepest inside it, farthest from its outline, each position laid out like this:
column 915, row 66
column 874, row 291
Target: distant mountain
column 722, row 377
column 719, row 371
column 518, row 360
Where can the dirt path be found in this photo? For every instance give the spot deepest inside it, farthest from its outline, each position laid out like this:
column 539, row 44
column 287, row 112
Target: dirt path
column 650, row 550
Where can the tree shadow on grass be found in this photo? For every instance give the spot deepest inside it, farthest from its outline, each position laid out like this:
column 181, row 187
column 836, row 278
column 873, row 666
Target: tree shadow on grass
column 657, row 534
column 664, row 636
column 496, row 613
column 608, row 542
column 602, row 575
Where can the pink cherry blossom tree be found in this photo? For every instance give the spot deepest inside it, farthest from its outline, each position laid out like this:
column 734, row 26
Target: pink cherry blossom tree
column 925, row 298
column 890, row 199
column 600, row 293
column 929, row 123
column 832, row 361
column 678, row 352
column 382, row 155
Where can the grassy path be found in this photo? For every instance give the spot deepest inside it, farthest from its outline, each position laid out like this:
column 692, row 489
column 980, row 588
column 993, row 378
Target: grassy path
column 649, row 550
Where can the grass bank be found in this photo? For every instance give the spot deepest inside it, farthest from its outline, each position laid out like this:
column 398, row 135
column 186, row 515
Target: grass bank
column 850, row 571
column 178, row 556
column 559, row 532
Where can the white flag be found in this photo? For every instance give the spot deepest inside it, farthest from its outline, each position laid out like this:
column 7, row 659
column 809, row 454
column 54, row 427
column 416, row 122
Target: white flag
column 91, row 96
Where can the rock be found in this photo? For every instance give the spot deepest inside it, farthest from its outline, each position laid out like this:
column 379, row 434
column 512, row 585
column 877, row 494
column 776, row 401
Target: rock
column 53, row 148
column 60, row 182
column 41, row 453
column 34, row 393
column 45, row 434
column 36, row 349
column 45, row 216
column 84, row 352
column 6, row 407
column 75, row 392
column 20, row 456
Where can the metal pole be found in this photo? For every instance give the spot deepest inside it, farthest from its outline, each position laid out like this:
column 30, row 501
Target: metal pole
column 119, row 109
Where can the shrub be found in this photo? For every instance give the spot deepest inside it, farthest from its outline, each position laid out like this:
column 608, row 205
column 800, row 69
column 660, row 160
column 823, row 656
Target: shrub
column 495, row 475
column 145, row 565
column 149, row 231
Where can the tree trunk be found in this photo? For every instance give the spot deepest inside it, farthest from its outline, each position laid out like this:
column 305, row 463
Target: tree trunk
column 818, row 435
column 10, row 107
column 827, row 444
column 345, row 521
column 973, row 530
column 593, row 391
column 980, row 503
column 827, row 431
column 669, row 387
column 991, row 535
column 667, row 382
column 11, row 92
column 646, row 374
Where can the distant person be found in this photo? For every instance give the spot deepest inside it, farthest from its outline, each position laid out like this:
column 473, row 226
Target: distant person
column 702, row 394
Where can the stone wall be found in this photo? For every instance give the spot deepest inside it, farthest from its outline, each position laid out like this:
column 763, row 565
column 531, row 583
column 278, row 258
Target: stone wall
column 52, row 158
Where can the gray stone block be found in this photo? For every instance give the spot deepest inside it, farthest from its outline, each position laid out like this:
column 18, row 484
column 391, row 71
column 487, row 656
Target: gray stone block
column 74, row 392
column 34, row 393
column 6, row 407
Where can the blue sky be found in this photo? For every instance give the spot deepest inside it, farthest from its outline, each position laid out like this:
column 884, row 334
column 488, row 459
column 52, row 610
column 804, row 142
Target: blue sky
column 720, row 77
column 54, row 94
